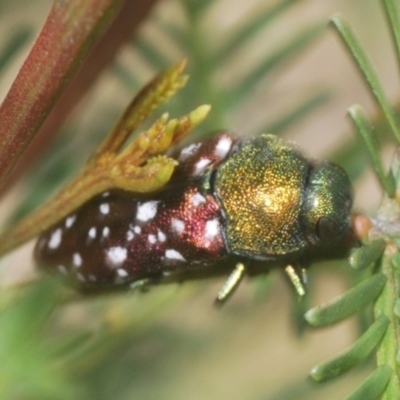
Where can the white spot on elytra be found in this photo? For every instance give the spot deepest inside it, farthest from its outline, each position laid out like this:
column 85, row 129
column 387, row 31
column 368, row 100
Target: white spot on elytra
column 116, row 256
column 70, row 221
column 174, row 255
column 129, row 235
column 211, row 229
column 122, row 273
column 177, row 225
column 106, row 231
column 105, row 194
column 55, row 239
column 77, row 259
column 62, row 269
column 81, row 277
column 161, row 236
column 92, row 278
column 223, row 147
column 137, row 229
column 104, row 208
column 146, row 211
column 92, row 232
column 200, row 166
column 188, row 151
column 197, row 199
column 152, row 239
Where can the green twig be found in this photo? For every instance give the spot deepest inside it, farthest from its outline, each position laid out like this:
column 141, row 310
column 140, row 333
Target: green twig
column 392, row 15
column 273, row 61
column 364, row 127
column 367, row 70
column 299, row 112
column 242, row 35
column 366, row 255
column 13, row 45
column 347, row 304
column 374, row 385
column 152, row 53
column 357, row 353
column 385, row 305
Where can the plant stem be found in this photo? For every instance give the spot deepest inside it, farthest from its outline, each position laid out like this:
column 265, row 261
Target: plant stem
column 368, row 72
column 70, row 30
column 387, row 350
column 392, row 15
column 387, row 226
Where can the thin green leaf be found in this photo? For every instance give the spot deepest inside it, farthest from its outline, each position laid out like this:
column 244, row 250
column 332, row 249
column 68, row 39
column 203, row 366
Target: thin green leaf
column 392, row 15
column 197, row 7
column 27, row 369
column 395, row 168
column 360, row 119
column 352, row 157
column 347, row 304
column 361, row 349
column 283, row 55
column 298, row 113
column 386, row 305
column 298, row 309
column 374, row 385
column 127, row 77
column 366, row 255
column 152, row 54
column 71, row 344
column 13, row 45
column 367, row 70
column 242, row 34
column 177, row 34
column 23, row 320
column 396, row 309
column 396, row 261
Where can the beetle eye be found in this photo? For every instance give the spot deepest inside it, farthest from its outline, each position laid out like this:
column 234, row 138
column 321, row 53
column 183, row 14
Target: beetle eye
column 327, row 229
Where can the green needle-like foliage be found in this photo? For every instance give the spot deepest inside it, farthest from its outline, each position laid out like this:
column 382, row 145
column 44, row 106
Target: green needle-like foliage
column 366, row 255
column 357, row 353
column 360, row 119
column 374, row 386
column 383, row 286
column 368, row 72
column 28, row 364
column 14, row 44
column 205, row 61
column 81, row 362
column 347, row 304
column 43, row 357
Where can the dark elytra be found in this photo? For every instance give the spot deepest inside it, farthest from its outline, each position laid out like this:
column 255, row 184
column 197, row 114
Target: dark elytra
column 248, row 202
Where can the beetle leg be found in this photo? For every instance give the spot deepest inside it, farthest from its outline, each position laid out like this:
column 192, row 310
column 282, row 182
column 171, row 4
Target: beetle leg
column 298, row 277
column 231, row 283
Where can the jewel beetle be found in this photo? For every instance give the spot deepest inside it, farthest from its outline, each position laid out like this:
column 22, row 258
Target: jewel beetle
column 236, row 204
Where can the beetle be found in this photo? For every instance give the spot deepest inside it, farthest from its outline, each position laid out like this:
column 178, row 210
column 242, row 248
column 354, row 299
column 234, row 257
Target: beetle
column 245, row 204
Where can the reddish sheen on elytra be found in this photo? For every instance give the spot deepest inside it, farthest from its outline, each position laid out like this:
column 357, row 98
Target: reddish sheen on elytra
column 120, row 237
column 255, row 201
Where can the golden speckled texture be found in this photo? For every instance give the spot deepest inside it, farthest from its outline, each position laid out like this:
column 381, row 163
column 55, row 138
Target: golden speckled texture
column 260, row 190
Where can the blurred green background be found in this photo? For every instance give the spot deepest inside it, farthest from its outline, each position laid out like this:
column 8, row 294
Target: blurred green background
column 265, row 66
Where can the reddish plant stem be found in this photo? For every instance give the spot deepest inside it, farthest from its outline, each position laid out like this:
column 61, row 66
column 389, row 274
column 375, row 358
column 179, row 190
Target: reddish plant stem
column 69, row 32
